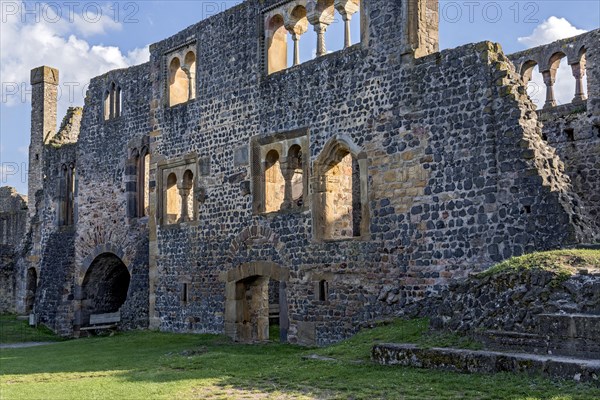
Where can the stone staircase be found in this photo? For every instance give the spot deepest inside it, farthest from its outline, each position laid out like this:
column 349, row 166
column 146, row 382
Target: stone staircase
column 561, row 346
column 570, row 335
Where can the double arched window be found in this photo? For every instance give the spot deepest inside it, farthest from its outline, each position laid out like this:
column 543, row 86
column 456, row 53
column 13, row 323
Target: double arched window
column 179, row 198
column 66, row 195
column 139, row 192
column 112, row 102
column 182, row 78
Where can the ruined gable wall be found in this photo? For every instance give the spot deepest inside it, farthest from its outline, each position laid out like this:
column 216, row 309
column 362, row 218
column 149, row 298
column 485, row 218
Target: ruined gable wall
column 459, row 177
column 13, row 217
column 101, row 223
column 104, row 152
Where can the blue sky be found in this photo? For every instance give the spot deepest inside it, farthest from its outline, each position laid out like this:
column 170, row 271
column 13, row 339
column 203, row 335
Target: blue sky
column 86, row 38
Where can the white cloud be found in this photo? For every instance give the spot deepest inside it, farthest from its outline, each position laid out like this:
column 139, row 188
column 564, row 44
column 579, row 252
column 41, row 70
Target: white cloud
column 549, row 31
column 24, row 46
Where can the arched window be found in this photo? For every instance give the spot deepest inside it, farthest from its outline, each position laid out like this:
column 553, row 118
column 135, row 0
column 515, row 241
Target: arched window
column 274, row 182
column 296, row 168
column 142, row 187
column 276, row 38
column 341, row 210
column 179, row 83
column 66, row 195
column 118, row 100
column 190, row 67
column 112, row 102
column 188, row 211
column 172, row 200
column 107, row 105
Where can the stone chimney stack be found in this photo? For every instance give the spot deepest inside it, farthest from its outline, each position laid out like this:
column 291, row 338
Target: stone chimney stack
column 44, row 97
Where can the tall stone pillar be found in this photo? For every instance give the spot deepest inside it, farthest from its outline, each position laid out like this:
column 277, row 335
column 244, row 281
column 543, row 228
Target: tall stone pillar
column 44, row 88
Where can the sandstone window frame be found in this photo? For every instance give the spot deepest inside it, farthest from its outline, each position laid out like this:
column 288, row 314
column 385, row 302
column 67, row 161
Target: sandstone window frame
column 282, row 143
column 66, row 195
column 185, row 190
column 334, row 149
column 181, row 64
column 137, row 179
column 112, row 101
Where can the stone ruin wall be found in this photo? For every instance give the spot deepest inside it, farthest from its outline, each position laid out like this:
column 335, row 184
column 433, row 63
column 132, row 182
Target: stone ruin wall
column 454, row 176
column 573, row 129
column 101, row 152
column 458, row 175
column 13, row 220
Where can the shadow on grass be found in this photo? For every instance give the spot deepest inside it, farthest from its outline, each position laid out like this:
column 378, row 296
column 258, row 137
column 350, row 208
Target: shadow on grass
column 201, row 366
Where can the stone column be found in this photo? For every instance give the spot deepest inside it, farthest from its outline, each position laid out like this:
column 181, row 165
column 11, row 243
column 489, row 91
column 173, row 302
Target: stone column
column 185, row 194
column 578, row 73
column 296, row 24
column 549, row 79
column 320, row 14
column 288, row 173
column 347, row 8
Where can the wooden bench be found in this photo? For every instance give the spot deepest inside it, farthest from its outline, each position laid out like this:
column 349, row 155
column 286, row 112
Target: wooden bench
column 274, row 313
column 103, row 321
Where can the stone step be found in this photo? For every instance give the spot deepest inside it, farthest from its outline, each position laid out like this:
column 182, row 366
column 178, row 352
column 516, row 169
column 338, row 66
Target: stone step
column 483, row 361
column 583, row 326
column 540, row 344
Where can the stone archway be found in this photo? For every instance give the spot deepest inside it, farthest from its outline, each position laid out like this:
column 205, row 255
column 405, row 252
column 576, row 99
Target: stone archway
column 250, row 290
column 105, row 286
column 30, row 290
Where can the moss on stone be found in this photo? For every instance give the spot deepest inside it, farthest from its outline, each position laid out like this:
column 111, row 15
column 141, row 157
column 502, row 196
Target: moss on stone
column 562, row 263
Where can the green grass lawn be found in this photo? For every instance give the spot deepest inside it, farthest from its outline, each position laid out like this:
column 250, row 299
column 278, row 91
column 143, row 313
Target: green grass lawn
column 13, row 330
column 151, row 365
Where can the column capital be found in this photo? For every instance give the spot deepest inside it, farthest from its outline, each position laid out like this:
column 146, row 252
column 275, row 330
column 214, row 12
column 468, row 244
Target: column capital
column 347, row 8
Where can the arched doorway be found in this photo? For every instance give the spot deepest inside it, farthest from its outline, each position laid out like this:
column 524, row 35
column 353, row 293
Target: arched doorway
column 105, row 287
column 30, row 290
column 256, row 300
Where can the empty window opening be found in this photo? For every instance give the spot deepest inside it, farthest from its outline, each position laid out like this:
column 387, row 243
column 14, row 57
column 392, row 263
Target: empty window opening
column 296, row 26
column 182, row 79
column 142, row 183
column 343, row 207
column 184, row 293
column 323, row 290
column 274, row 182
column 179, row 85
column 570, row 134
column 296, row 35
column 31, row 288
column 66, row 195
column 112, row 102
column 527, row 209
column 190, row 68
column 173, row 200
column 118, row 100
column 187, row 197
column 296, row 172
column 276, row 38
column 107, row 101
